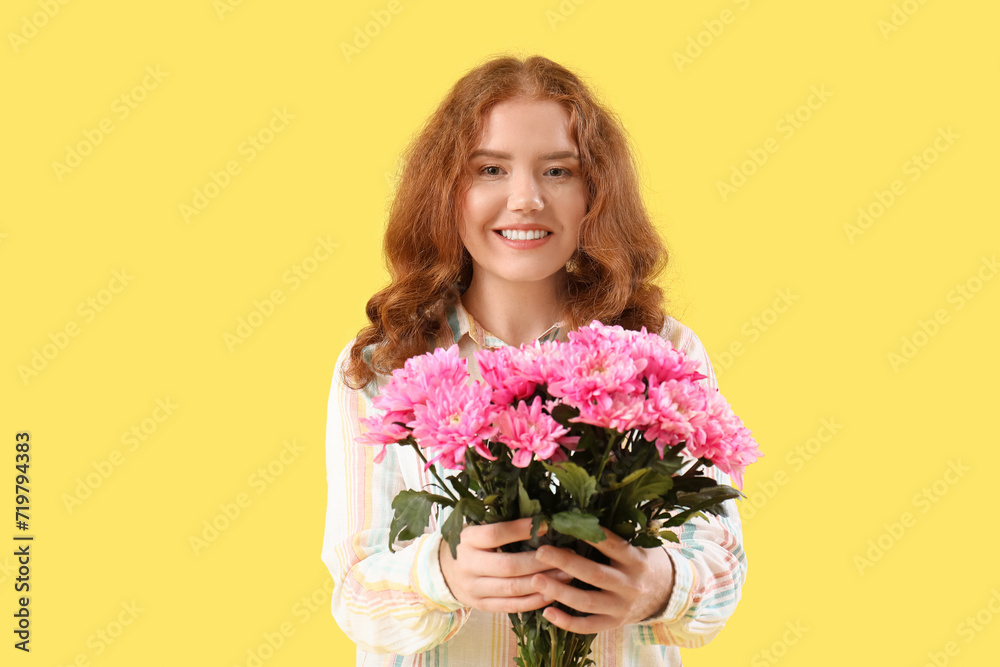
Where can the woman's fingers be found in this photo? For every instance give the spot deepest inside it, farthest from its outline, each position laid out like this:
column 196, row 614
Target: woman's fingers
column 496, row 535
column 602, row 576
column 491, row 580
column 520, row 587
column 499, row 564
column 580, row 624
column 616, row 548
column 513, row 605
column 635, row 585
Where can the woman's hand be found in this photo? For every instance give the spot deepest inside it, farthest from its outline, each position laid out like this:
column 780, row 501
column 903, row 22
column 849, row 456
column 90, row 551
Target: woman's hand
column 490, row 580
column 634, row 586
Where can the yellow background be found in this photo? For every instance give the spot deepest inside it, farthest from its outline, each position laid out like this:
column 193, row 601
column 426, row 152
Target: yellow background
column 895, row 77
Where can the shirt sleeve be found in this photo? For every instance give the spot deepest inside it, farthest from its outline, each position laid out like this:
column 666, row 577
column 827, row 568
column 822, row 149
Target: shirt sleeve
column 709, row 563
column 386, row 602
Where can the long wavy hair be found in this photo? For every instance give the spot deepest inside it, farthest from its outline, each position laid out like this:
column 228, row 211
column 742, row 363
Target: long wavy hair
column 611, row 276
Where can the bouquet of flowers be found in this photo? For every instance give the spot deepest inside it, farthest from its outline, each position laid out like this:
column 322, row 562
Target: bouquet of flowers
column 611, row 428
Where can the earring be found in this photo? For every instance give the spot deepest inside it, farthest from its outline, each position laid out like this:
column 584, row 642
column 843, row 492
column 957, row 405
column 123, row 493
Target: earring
column 573, row 264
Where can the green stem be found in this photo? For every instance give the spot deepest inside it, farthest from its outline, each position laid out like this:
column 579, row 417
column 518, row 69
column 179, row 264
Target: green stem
column 614, row 510
column 433, row 470
column 694, row 466
column 651, row 453
column 474, row 467
column 604, row 459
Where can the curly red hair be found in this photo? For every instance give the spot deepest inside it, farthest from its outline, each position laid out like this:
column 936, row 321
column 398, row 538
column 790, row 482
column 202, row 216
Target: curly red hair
column 611, row 277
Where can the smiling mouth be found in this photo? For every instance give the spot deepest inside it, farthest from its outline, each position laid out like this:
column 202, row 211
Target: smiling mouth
column 522, row 235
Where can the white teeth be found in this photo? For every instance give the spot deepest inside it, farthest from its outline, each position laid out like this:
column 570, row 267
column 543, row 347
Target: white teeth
column 521, row 235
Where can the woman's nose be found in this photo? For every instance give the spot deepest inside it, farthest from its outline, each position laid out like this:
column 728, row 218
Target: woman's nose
column 525, row 195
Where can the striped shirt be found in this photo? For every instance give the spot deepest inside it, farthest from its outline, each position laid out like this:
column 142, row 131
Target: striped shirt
column 397, row 607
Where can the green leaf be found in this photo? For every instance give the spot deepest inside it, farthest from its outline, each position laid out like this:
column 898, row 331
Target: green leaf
column 577, row 481
column 636, row 516
column 461, row 483
column 562, row 413
column 708, row 499
column 628, row 479
column 625, row 530
column 444, row 501
column 537, row 522
column 685, row 516
column 707, row 496
column 668, row 465
column 653, row 485
column 471, row 510
column 669, row 536
column 451, row 532
column 411, row 514
column 645, row 540
column 693, row 484
column 579, row 525
column 526, row 505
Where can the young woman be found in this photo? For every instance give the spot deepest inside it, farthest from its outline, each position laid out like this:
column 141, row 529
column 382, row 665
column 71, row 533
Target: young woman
column 518, row 217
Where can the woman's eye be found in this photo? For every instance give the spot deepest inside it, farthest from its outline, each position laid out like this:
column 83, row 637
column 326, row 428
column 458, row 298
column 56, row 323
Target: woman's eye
column 560, row 170
column 491, row 171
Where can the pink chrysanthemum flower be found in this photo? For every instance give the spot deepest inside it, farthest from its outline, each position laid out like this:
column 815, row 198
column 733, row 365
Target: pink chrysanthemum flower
column 723, row 439
column 410, row 385
column 593, row 367
column 663, row 361
column 454, row 419
column 407, row 388
column 598, row 335
column 743, row 451
column 538, row 361
column 531, row 433
column 502, row 371
column 617, row 411
column 382, row 431
column 674, row 412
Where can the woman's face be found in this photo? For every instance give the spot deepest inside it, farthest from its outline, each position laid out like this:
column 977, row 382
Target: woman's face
column 521, row 215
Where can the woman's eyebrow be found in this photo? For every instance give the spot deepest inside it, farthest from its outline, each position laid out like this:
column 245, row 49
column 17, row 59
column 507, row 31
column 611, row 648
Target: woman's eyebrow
column 500, row 155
